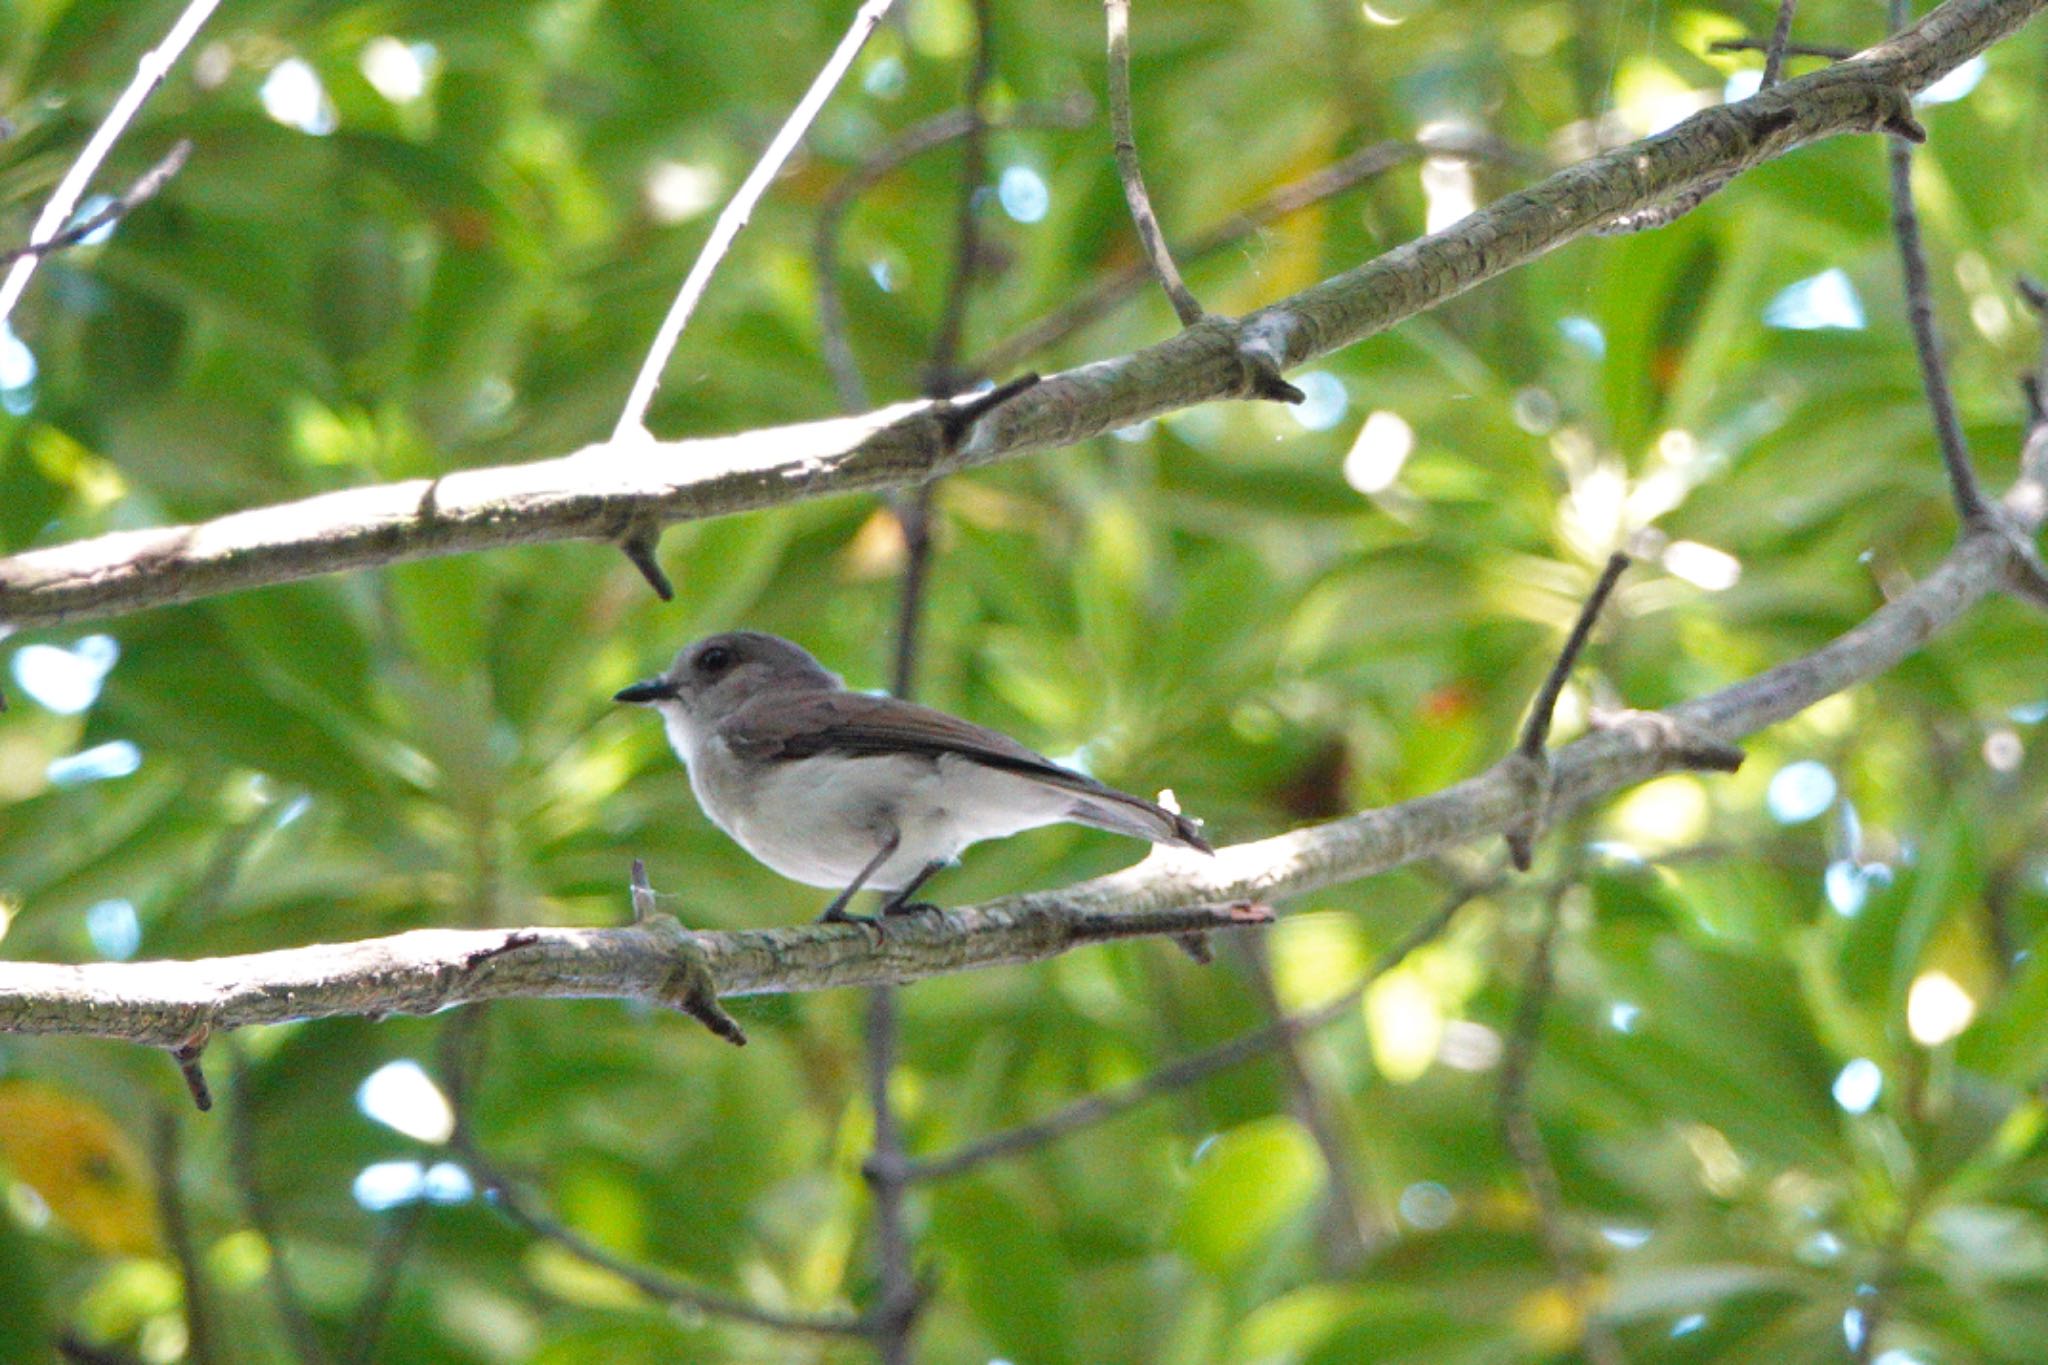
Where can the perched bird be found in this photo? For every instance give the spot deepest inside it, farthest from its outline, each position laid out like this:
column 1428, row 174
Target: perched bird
column 847, row 790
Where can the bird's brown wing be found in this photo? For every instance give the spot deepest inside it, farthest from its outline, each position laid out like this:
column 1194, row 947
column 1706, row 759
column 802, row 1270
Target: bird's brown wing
column 853, row 723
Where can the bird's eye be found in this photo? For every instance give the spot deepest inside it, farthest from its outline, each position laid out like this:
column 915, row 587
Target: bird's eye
column 714, row 661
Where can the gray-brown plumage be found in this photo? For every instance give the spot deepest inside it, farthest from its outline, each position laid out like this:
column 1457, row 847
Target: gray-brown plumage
column 842, row 789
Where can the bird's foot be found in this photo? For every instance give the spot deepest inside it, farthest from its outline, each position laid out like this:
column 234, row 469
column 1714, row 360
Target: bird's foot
column 837, row 914
column 895, row 908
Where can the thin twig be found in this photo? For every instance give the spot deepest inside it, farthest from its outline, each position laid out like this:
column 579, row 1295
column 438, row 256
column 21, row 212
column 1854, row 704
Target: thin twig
column 199, row 1335
column 592, row 493
column 1536, row 728
column 1531, row 754
column 149, row 74
column 76, row 1350
column 245, row 1159
column 460, row 1060
column 1941, row 403
column 511, row 1201
column 1781, row 38
column 941, row 377
column 1676, row 207
column 912, row 142
column 1876, row 1307
column 895, row 1315
column 1352, row 1227
column 896, row 1312
column 1147, row 223
column 187, row 1054
column 1525, row 1142
column 141, row 192
column 1823, row 50
column 1354, row 170
column 633, row 418
column 397, row 1234
column 1090, row 1110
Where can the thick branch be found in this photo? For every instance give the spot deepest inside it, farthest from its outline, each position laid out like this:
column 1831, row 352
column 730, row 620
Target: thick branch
column 164, row 1003
column 601, row 491
column 428, row 970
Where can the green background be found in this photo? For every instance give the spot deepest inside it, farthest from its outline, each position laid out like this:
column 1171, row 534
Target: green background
column 469, row 277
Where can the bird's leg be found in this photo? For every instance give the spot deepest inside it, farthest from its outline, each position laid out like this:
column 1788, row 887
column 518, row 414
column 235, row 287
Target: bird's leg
column 835, row 913
column 902, row 904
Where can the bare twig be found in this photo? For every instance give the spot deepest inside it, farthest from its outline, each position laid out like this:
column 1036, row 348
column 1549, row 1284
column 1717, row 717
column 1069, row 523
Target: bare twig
column 1333, row 180
column 141, row 192
column 1352, row 1227
column 1876, row 1307
column 1147, row 222
column 1676, row 207
column 200, row 1347
column 1833, row 54
column 1531, row 754
column 246, row 1160
column 1525, row 1143
column 692, row 989
column 461, row 1053
column 186, row 1054
column 594, row 493
column 1781, row 38
column 76, row 1350
column 397, row 1233
column 149, row 74
column 914, row 141
column 942, row 378
column 1971, row 507
column 900, row 1299
column 633, row 418
column 1196, row 1067
column 508, row 1198
column 424, row 971
column 641, row 534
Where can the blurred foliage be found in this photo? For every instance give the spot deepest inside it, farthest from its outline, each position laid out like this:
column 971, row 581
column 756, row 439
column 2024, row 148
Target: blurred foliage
column 424, row 236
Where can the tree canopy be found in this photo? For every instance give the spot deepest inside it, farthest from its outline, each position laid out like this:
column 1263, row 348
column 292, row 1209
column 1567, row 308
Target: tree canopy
column 1746, row 1065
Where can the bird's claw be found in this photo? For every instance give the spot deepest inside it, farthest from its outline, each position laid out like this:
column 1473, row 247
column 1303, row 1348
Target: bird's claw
column 835, row 915
column 895, row 908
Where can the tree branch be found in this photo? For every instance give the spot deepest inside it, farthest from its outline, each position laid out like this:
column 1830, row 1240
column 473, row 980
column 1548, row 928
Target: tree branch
column 170, row 1198
column 633, row 418
column 1525, row 1142
column 914, row 141
column 1833, row 54
column 1354, row 170
column 149, row 74
column 245, row 1164
column 146, row 187
column 1352, row 1225
column 1531, row 756
column 1971, row 508
column 1676, row 207
column 163, row 1003
column 599, row 492
column 1090, row 1110
column 427, row 970
column 1185, row 305
column 658, row 1284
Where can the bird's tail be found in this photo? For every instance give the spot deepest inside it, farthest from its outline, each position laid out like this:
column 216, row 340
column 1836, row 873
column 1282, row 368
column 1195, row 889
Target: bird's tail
column 1122, row 813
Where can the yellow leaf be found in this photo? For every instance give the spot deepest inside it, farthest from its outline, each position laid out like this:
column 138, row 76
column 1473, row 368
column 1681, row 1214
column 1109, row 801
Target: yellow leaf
column 82, row 1164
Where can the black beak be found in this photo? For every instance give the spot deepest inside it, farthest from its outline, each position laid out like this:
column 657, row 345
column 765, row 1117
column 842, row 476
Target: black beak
column 642, row 693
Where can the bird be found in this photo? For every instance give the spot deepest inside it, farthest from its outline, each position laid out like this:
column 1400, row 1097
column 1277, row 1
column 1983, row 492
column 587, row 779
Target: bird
column 855, row 791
